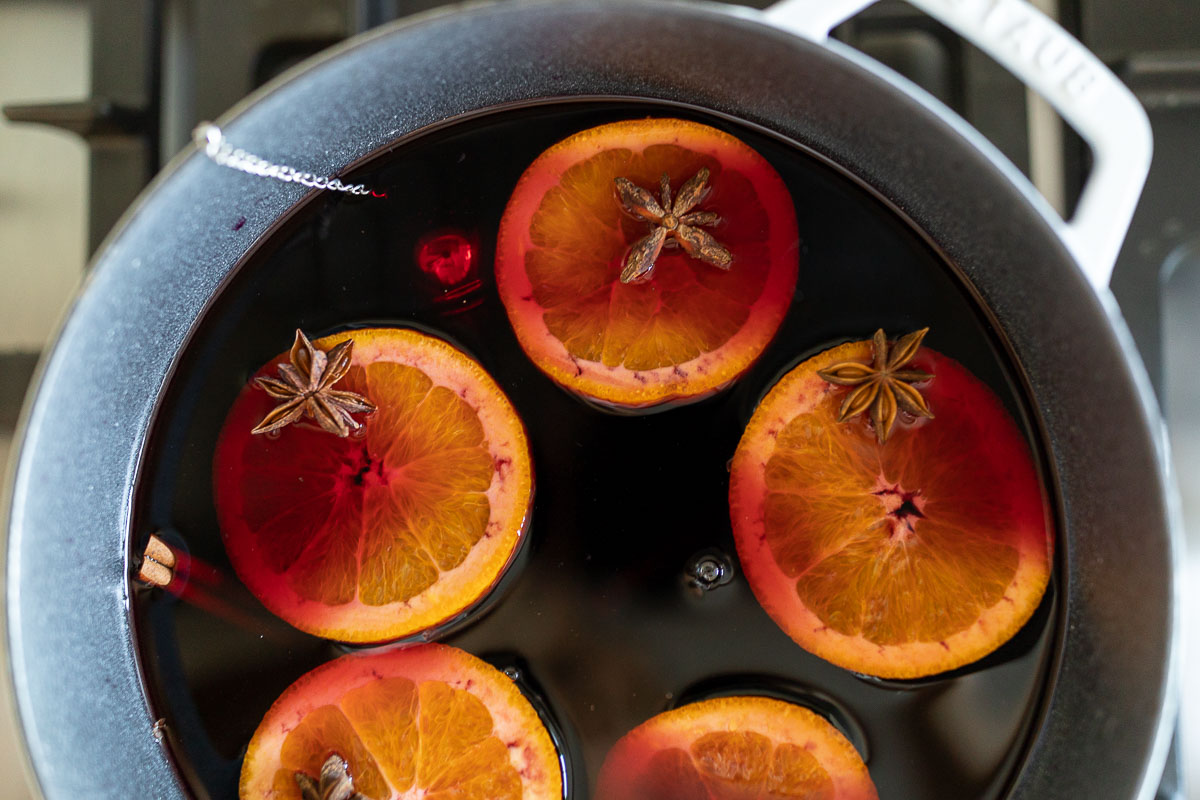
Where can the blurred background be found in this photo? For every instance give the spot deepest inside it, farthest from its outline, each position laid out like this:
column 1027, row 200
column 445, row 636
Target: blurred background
column 98, row 95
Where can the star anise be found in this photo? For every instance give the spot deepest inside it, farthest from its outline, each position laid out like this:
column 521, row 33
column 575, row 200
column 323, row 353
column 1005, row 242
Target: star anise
column 883, row 387
column 307, row 389
column 673, row 224
column 335, row 783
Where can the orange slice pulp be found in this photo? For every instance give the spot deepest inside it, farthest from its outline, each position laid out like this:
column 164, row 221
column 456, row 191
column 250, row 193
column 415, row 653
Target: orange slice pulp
column 392, row 530
column 897, row 560
column 735, row 748
column 690, row 330
column 429, row 721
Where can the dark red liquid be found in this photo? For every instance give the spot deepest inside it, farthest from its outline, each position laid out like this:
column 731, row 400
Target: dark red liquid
column 628, row 599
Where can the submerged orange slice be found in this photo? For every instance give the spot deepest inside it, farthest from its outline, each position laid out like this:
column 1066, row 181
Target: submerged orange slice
column 431, row 722
column 692, row 328
column 735, row 748
column 393, row 530
column 896, row 560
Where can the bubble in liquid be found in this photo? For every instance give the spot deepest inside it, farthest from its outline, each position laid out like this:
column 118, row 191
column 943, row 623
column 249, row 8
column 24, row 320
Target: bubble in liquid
column 708, row 570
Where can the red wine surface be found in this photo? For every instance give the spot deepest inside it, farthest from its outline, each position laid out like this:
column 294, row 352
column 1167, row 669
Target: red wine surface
column 600, row 620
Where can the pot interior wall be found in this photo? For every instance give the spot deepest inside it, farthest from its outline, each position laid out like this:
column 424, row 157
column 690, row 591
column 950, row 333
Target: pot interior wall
column 598, row 616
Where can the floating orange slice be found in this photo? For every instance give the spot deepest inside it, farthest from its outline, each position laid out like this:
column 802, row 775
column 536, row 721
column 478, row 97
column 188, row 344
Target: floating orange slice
column 735, row 748
column 901, row 559
column 693, row 327
column 390, row 531
column 430, row 721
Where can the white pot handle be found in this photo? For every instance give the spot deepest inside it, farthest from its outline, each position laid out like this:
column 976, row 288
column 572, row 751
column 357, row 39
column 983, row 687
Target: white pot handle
column 1048, row 59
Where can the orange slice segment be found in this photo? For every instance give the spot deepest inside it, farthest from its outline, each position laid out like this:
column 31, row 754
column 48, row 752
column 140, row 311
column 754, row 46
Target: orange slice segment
column 897, row 560
column 430, row 722
column 735, row 748
column 393, row 531
column 690, row 330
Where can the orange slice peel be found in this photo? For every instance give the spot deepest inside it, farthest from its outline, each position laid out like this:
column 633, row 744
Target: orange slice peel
column 733, row 748
column 392, row 531
column 429, row 721
column 896, row 560
column 688, row 330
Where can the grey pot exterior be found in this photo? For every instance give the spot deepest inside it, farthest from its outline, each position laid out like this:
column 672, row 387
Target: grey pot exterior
column 73, row 657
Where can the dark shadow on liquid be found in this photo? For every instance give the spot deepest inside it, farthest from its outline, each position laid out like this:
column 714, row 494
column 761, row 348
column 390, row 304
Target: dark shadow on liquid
column 564, row 736
column 788, row 690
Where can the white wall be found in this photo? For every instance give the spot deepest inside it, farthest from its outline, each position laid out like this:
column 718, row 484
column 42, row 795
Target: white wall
column 44, row 55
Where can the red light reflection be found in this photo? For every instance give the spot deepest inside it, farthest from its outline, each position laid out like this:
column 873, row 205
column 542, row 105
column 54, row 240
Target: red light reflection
column 201, row 585
column 449, row 257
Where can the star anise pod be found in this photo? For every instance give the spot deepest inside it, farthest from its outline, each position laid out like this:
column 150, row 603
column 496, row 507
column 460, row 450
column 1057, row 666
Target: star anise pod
column 335, row 782
column 672, row 224
column 307, row 389
column 884, row 388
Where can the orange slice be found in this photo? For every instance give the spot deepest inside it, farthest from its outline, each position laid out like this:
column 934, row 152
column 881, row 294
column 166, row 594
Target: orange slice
column 693, row 328
column 735, row 748
column 393, row 530
column 431, row 722
column 896, row 560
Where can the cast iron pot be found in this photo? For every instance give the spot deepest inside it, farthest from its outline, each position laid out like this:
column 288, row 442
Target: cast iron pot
column 1109, row 706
